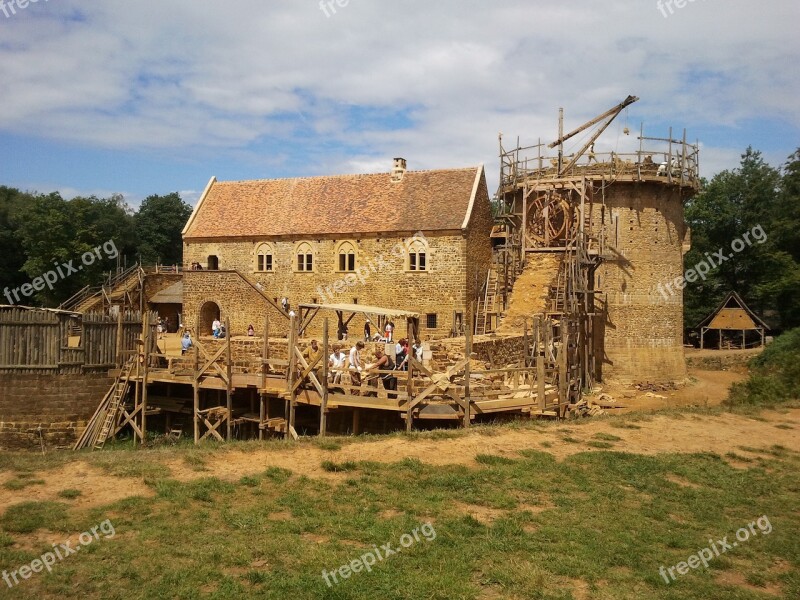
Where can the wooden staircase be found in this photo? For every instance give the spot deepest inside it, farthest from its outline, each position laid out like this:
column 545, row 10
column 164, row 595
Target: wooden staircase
column 118, row 289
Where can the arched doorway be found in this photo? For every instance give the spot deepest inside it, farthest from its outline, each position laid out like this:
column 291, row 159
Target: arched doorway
column 208, row 314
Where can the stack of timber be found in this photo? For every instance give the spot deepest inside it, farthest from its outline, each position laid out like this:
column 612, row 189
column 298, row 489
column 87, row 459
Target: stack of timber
column 104, row 421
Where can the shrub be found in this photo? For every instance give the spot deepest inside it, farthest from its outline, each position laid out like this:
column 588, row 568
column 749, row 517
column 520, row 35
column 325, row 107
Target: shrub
column 775, row 375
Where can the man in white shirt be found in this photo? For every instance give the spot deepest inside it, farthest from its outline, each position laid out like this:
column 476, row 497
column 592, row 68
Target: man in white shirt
column 355, row 363
column 336, row 364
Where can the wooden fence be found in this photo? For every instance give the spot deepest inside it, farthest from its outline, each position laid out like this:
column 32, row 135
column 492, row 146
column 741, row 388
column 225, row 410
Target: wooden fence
column 57, row 342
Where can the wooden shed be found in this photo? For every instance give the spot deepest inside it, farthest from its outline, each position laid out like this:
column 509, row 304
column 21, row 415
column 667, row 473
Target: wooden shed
column 734, row 324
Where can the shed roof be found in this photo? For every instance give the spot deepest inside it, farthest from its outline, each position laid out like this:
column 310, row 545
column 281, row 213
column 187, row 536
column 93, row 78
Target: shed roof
column 733, row 314
column 343, row 204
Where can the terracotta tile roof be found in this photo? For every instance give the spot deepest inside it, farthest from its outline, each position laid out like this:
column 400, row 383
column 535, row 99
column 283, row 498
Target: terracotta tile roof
column 342, row 204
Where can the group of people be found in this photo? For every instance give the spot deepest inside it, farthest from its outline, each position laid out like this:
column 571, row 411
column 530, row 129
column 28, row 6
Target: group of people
column 387, row 336
column 196, row 266
column 352, row 363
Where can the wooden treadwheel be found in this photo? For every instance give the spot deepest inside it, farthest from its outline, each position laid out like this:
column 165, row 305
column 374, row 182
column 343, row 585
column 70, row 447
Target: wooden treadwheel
column 549, row 220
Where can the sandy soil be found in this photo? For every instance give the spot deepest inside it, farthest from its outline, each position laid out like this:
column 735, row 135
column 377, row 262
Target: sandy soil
column 657, row 434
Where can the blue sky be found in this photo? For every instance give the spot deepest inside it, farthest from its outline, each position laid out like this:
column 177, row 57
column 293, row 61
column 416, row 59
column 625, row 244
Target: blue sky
column 144, row 97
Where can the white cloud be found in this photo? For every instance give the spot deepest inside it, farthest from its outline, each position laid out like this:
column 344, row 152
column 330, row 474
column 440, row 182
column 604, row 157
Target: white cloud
column 231, row 76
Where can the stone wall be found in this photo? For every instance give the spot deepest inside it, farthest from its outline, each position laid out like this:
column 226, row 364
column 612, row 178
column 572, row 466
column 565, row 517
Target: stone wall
column 60, row 404
column 479, row 248
column 382, row 279
column 644, row 229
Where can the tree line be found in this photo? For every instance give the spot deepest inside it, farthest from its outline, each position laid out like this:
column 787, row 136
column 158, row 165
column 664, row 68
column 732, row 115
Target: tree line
column 40, row 231
column 752, row 197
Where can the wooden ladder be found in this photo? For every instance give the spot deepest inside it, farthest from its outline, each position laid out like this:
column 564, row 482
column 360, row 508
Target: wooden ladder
column 114, row 403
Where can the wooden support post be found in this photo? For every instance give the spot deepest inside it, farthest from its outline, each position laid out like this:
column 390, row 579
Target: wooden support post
column 228, row 386
column 356, row 421
column 525, row 345
column 563, row 363
column 136, row 392
column 540, row 350
column 196, row 383
column 292, row 371
column 468, row 356
column 120, row 361
column 147, row 341
column 410, row 390
column 323, row 408
column 262, row 408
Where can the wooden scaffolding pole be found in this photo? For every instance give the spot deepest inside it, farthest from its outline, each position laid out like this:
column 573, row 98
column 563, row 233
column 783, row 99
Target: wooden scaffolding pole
column 228, row 386
column 196, row 383
column 541, row 346
column 119, row 360
column 323, row 408
column 292, row 373
column 146, row 370
column 263, row 399
column 468, row 356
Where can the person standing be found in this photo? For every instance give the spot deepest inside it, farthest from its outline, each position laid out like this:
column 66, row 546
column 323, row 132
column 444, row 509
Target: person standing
column 312, row 354
column 186, row 343
column 355, row 363
column 385, row 363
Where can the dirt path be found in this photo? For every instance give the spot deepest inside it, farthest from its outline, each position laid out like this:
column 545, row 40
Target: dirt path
column 658, row 434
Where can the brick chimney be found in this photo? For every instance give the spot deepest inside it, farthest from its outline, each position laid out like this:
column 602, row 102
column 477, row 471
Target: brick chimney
column 398, row 170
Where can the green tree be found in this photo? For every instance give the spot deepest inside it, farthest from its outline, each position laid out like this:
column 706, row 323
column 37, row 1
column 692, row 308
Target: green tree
column 53, row 231
column 12, row 256
column 159, row 223
column 754, row 197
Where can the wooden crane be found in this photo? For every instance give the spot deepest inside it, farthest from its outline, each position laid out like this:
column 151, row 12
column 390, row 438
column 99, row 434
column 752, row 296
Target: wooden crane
column 605, row 119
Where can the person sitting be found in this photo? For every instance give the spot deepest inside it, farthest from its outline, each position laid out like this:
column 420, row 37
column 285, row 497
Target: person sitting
column 384, row 362
column 221, row 334
column 186, row 343
column 336, row 363
column 251, row 330
column 215, row 325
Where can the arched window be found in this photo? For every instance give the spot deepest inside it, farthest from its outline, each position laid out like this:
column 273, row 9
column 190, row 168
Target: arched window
column 213, row 263
column 417, row 255
column 265, row 258
column 305, row 257
column 347, row 257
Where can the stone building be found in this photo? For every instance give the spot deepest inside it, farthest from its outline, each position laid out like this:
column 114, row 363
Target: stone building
column 408, row 240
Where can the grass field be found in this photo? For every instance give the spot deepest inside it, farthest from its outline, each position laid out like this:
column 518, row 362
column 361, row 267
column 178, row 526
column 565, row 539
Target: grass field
column 567, row 510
